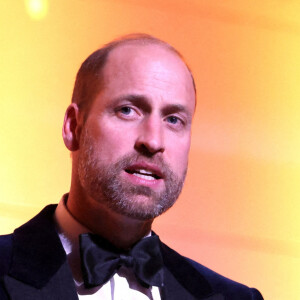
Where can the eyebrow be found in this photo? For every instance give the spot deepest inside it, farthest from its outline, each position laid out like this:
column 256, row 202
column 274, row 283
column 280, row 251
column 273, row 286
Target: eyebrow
column 135, row 99
column 174, row 108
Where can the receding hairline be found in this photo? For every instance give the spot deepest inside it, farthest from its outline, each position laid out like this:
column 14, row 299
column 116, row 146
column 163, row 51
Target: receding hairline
column 92, row 68
column 143, row 39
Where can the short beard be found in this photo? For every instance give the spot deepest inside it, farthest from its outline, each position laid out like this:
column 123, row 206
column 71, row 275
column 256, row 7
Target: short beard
column 104, row 184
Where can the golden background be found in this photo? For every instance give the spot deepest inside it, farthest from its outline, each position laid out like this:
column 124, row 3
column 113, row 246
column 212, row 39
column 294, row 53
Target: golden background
column 239, row 211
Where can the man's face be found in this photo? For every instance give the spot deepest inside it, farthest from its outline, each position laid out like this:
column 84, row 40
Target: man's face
column 134, row 145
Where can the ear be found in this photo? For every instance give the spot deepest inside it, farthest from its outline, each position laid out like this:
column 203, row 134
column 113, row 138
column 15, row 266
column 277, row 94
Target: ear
column 71, row 127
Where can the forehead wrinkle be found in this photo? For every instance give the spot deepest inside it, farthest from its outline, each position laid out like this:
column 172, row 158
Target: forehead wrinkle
column 163, row 75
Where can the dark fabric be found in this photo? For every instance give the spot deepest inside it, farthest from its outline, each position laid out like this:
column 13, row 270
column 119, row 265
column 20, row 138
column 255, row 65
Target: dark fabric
column 59, row 287
column 232, row 290
column 5, row 261
column 34, row 247
column 5, row 253
column 34, row 266
column 100, row 260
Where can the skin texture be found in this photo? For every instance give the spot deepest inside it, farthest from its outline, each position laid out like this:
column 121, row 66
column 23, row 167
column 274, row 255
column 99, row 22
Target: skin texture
column 140, row 120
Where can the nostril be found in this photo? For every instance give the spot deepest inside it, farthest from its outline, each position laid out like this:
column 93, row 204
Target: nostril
column 146, row 150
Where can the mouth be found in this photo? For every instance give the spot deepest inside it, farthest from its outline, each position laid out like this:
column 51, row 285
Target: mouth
column 145, row 172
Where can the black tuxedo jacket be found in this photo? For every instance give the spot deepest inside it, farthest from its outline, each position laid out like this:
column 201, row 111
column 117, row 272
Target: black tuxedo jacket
column 33, row 265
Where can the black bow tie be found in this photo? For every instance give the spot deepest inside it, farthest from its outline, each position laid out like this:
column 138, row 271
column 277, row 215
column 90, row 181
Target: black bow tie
column 100, row 260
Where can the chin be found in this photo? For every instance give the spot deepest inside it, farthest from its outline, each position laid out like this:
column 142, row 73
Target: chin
column 141, row 208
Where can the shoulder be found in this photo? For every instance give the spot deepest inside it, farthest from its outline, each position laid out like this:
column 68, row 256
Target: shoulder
column 6, row 253
column 226, row 286
column 195, row 275
column 25, row 237
column 5, row 260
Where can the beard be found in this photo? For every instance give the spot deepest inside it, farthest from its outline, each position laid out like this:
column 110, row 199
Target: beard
column 103, row 182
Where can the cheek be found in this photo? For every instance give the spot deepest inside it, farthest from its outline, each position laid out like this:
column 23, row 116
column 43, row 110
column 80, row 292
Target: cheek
column 114, row 141
column 178, row 153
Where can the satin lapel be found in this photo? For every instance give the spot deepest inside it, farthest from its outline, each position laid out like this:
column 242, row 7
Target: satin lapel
column 59, row 287
column 182, row 280
column 39, row 268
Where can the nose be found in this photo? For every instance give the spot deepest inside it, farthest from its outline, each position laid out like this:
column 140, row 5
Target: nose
column 150, row 139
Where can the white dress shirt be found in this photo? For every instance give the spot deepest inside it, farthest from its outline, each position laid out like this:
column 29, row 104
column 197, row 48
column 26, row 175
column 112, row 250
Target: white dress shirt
column 122, row 286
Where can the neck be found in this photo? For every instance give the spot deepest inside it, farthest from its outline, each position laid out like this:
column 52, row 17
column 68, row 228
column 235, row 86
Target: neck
column 122, row 231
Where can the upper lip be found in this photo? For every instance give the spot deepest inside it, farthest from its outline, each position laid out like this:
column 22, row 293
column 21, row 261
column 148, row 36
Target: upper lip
column 154, row 169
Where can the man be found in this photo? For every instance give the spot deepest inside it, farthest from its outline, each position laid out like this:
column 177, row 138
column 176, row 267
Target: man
column 128, row 129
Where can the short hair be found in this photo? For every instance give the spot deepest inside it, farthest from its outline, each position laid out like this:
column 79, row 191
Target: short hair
column 89, row 79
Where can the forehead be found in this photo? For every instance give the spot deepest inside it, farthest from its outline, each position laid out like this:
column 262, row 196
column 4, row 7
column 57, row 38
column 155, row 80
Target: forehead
column 145, row 57
column 152, row 70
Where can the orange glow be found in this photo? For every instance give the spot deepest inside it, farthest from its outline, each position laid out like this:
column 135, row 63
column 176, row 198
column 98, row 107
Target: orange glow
column 239, row 211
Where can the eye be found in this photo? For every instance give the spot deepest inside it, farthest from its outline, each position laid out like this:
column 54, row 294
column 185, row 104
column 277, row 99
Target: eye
column 173, row 120
column 126, row 110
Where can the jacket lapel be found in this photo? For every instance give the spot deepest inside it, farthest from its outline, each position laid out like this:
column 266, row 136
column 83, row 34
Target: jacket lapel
column 174, row 290
column 182, row 280
column 59, row 287
column 39, row 268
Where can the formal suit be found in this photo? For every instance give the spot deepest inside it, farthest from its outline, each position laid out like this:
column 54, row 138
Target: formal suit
column 33, row 265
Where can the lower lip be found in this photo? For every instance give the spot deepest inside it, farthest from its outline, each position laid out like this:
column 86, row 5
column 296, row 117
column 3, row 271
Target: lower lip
column 154, row 183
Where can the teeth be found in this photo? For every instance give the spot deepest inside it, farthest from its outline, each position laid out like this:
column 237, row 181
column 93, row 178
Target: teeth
column 144, row 174
column 142, row 171
column 147, row 177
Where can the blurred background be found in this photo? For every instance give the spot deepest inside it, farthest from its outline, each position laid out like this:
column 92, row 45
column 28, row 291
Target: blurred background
column 239, row 211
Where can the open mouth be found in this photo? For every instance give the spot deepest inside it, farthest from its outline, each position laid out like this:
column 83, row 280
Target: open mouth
column 144, row 174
